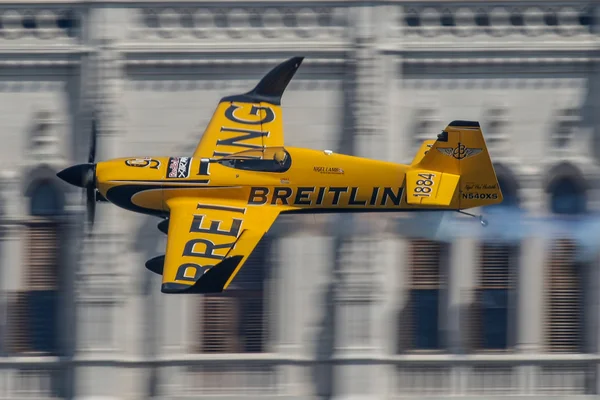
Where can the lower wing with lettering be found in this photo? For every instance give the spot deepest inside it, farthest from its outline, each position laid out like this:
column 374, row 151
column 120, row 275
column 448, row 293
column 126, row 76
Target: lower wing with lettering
column 207, row 244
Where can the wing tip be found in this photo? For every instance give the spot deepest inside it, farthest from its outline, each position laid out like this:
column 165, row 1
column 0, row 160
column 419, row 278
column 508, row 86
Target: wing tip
column 213, row 281
column 271, row 87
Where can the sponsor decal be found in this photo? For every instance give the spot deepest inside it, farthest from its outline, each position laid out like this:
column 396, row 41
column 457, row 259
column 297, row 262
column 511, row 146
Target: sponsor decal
column 460, row 152
column 329, row 170
column 179, row 167
column 325, row 195
column 480, row 196
column 480, row 186
column 205, row 249
column 241, row 131
column 269, row 115
column 143, row 163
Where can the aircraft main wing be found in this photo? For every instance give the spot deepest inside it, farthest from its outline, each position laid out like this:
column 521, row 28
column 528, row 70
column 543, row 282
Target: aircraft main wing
column 249, row 121
column 207, row 244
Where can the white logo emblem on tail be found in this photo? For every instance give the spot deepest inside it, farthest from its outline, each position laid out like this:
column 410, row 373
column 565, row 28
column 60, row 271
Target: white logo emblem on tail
column 460, row 152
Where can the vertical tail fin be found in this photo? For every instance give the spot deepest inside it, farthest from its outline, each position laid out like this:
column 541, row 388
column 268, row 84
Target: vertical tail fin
column 459, row 164
column 424, row 149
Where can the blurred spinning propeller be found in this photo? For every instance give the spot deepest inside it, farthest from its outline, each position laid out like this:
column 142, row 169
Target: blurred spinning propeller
column 84, row 176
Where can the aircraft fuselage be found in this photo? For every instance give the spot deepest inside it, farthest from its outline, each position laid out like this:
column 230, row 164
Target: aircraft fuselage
column 313, row 181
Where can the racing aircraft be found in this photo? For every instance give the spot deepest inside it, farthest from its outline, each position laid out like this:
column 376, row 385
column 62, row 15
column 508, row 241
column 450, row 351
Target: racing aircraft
column 217, row 203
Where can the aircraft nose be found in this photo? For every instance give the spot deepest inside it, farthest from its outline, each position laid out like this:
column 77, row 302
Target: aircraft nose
column 78, row 175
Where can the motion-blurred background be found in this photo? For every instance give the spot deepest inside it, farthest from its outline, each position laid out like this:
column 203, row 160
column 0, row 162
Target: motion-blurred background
column 327, row 307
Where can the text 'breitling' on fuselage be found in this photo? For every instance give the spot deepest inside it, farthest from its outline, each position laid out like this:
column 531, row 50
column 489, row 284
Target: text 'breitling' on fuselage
column 326, row 196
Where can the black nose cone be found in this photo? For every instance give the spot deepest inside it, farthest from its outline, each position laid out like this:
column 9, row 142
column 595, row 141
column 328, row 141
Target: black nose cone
column 78, row 175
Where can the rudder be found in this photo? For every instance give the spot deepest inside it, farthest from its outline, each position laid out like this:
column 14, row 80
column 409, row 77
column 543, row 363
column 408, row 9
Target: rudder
column 460, row 151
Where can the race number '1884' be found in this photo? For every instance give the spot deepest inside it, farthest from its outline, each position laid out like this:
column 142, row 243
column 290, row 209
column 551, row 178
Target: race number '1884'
column 423, row 185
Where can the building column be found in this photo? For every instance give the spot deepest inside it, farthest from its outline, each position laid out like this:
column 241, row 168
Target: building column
column 302, row 298
column 530, row 286
column 456, row 304
column 362, row 313
column 105, row 276
column 13, row 234
column 13, row 212
column 387, row 320
column 356, row 300
column 370, row 79
column 592, row 314
column 12, row 255
column 461, row 281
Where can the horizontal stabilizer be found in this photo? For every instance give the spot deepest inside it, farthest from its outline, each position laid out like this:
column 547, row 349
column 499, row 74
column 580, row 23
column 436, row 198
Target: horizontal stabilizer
column 431, row 188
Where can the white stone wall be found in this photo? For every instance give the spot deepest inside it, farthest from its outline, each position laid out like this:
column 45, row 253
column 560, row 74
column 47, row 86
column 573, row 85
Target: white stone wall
column 374, row 83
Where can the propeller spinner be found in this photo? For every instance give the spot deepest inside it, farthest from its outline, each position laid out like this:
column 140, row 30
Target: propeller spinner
column 84, row 176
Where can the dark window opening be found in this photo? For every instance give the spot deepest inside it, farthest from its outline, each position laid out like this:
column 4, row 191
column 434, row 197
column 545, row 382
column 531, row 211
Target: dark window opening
column 412, row 20
column 567, row 197
column 419, row 322
column 34, row 311
column 237, row 321
column 447, row 19
column 494, row 318
column 46, row 201
column 425, row 307
column 565, row 299
column 493, row 324
column 482, row 19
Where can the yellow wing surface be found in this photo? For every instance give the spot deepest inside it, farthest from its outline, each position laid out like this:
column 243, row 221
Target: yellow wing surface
column 207, row 244
column 249, row 121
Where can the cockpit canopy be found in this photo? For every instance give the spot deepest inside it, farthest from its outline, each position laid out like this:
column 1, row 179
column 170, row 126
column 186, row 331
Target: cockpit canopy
column 268, row 159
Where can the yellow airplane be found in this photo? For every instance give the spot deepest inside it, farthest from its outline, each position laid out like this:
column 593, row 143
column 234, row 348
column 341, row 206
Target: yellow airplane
column 218, row 203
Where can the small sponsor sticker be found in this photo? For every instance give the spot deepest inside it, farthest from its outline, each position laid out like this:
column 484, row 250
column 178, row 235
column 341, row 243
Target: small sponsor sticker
column 329, row 170
column 143, row 162
column 179, row 167
column 480, row 186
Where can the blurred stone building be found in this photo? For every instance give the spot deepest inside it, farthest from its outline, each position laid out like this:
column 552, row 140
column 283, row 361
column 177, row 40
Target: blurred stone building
column 317, row 312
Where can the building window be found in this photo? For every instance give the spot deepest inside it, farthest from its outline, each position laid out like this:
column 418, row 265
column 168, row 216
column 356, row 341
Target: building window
column 567, row 198
column 419, row 325
column 564, row 299
column 564, row 295
column 567, row 121
column 493, row 322
column 235, row 321
column 493, row 319
column 33, row 312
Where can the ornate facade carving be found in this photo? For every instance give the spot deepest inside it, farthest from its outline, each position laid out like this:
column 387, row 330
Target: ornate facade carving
column 226, row 23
